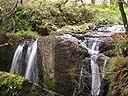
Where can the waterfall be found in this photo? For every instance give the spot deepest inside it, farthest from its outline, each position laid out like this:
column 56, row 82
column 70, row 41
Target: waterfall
column 32, row 70
column 17, row 58
column 96, row 80
column 20, row 61
column 92, row 46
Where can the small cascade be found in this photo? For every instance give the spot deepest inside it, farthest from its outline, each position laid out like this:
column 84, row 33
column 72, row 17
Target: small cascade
column 17, row 59
column 25, row 61
column 97, row 70
column 32, row 70
column 29, row 49
column 96, row 80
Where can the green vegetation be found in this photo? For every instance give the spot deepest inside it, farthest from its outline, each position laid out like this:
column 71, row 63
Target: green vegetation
column 40, row 17
column 10, row 85
column 106, row 15
column 118, row 77
column 14, row 85
column 46, row 18
column 118, row 69
column 25, row 34
column 49, row 82
column 121, row 47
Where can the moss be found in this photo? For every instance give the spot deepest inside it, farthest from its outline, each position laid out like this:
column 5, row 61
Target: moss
column 10, row 85
column 14, row 85
column 25, row 34
column 49, row 82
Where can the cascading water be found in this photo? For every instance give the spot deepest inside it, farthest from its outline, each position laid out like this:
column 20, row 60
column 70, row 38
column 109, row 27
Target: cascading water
column 96, row 81
column 30, row 60
column 92, row 45
column 29, row 49
column 32, row 70
column 17, row 58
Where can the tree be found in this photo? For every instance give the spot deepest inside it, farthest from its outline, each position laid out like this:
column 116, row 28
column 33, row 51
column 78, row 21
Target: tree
column 92, row 1
column 123, row 14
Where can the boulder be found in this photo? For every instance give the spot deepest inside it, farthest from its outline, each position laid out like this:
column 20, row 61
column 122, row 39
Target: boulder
column 6, row 51
column 61, row 61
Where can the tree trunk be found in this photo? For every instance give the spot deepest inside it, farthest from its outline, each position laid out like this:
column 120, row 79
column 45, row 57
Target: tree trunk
column 123, row 14
column 92, row 1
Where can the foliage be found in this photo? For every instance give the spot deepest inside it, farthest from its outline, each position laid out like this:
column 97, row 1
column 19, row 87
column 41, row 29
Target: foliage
column 77, row 28
column 122, row 46
column 7, row 10
column 14, row 85
column 10, row 85
column 25, row 34
column 43, row 17
column 105, row 15
column 118, row 77
column 30, row 19
column 118, row 68
column 49, row 82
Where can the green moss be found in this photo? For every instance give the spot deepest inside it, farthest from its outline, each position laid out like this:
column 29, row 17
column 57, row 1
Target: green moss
column 10, row 85
column 14, row 85
column 49, row 82
column 25, row 34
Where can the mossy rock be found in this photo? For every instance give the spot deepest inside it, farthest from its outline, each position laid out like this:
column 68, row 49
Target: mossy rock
column 13, row 85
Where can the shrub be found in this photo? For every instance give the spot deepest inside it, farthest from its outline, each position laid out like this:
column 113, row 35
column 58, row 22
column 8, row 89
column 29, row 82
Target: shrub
column 43, row 17
column 118, row 77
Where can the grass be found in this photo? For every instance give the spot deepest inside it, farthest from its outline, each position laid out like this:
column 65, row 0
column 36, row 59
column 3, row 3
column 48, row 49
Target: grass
column 118, row 77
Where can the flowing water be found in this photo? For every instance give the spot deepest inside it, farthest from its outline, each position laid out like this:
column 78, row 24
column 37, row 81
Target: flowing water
column 32, row 70
column 96, row 81
column 17, row 59
column 92, row 45
column 97, row 70
column 26, row 64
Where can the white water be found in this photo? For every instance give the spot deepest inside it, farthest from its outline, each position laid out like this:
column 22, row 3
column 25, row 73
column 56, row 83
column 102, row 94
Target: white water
column 32, row 70
column 96, row 80
column 93, row 50
column 16, row 62
column 28, row 54
column 92, row 45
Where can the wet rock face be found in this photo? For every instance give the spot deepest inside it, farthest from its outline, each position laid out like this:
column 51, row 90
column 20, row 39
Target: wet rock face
column 62, row 61
column 6, row 52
